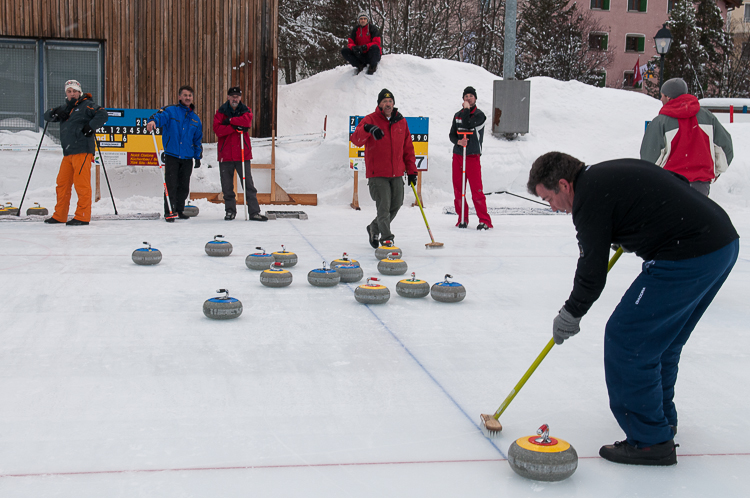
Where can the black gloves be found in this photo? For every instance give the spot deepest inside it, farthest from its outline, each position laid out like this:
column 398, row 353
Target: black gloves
column 412, row 179
column 197, row 163
column 356, row 49
column 373, row 130
column 87, row 131
column 362, row 48
column 53, row 114
column 239, row 128
column 164, row 158
column 226, row 121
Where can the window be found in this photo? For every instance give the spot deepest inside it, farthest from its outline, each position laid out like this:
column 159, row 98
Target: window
column 637, row 5
column 670, row 5
column 747, row 12
column 598, row 41
column 35, row 72
column 627, row 81
column 602, row 79
column 635, row 43
column 600, row 4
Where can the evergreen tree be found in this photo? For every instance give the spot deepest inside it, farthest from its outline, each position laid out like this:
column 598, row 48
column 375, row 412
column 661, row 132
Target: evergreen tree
column 718, row 46
column 687, row 57
column 553, row 41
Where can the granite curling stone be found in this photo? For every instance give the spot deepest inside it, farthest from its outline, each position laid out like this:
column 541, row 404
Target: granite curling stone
column 276, row 276
column 344, row 260
column 286, row 257
column 8, row 209
column 372, row 293
column 259, row 260
column 412, row 287
column 448, row 292
column 387, row 248
column 324, row 277
column 222, row 308
column 350, row 273
column 218, row 248
column 190, row 210
column 542, row 458
column 146, row 255
column 37, row 210
column 392, row 265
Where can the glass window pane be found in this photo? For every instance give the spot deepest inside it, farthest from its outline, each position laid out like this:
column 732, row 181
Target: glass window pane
column 18, row 86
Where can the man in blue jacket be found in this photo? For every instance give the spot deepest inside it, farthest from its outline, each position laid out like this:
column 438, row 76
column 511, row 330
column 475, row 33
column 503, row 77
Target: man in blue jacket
column 182, row 133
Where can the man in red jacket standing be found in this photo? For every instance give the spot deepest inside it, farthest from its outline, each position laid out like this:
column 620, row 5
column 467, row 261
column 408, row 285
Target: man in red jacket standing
column 231, row 124
column 363, row 47
column 686, row 139
column 389, row 153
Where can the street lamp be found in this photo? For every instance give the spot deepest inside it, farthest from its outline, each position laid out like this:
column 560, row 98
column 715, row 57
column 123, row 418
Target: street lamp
column 663, row 40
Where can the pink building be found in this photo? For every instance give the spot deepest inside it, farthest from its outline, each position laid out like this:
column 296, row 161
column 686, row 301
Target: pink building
column 630, row 28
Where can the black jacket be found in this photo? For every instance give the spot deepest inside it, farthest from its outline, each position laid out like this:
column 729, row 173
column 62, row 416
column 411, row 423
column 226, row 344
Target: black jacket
column 646, row 209
column 473, row 120
column 73, row 116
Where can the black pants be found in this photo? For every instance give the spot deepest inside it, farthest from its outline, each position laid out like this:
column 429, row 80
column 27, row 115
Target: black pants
column 371, row 57
column 177, row 172
column 226, row 173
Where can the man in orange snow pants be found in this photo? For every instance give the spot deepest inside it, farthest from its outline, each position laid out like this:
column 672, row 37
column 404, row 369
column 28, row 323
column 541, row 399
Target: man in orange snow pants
column 78, row 119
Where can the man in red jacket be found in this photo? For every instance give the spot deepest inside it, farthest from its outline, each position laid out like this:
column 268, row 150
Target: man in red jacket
column 363, row 47
column 231, row 124
column 686, row 139
column 389, row 153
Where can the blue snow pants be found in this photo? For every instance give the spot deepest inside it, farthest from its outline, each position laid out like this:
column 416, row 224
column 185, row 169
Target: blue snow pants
column 645, row 335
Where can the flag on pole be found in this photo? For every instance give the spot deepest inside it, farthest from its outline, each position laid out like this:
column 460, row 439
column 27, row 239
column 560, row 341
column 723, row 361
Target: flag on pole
column 637, row 74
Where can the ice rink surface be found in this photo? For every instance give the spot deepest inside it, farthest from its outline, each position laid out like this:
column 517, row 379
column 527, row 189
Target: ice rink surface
column 113, row 383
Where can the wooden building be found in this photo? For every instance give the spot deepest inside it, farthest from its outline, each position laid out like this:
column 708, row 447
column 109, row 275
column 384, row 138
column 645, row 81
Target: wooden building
column 137, row 53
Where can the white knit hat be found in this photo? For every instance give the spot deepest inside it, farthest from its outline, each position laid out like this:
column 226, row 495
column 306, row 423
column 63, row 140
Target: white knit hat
column 73, row 84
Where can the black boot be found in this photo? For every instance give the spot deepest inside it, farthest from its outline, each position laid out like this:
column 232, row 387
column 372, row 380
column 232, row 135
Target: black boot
column 76, row 223
column 373, row 235
column 372, row 69
column 182, row 216
column 230, row 216
column 623, row 452
column 52, row 221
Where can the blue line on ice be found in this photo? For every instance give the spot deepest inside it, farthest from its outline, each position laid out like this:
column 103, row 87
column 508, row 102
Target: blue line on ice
column 395, row 337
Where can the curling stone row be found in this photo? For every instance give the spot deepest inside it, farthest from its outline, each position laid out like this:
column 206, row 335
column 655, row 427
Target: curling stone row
column 222, row 308
column 444, row 292
column 36, row 209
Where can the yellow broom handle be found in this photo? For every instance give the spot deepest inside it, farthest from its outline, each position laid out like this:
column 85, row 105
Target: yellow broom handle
column 542, row 355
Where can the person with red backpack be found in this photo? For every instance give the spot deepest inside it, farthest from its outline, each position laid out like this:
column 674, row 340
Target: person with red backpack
column 363, row 47
column 686, row 139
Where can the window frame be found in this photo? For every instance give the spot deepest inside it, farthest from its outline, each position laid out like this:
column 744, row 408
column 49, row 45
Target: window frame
column 640, row 45
column 605, row 36
column 641, row 8
column 604, row 8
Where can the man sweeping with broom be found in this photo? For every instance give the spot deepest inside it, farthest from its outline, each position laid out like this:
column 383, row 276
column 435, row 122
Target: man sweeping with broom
column 689, row 247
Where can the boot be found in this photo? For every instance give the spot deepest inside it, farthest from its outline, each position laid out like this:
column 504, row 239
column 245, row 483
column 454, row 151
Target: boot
column 623, row 452
column 373, row 235
column 76, row 223
column 52, row 221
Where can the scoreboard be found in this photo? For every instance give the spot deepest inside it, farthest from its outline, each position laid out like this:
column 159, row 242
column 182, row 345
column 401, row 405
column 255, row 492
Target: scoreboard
column 124, row 140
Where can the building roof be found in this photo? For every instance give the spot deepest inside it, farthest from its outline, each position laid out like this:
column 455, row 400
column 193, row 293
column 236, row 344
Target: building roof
column 733, row 4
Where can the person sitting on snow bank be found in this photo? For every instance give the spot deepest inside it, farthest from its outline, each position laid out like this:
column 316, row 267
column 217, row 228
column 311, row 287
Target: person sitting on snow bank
column 363, row 47
column 78, row 119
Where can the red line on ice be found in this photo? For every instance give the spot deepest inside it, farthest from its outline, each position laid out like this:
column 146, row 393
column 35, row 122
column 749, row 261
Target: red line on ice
column 302, row 465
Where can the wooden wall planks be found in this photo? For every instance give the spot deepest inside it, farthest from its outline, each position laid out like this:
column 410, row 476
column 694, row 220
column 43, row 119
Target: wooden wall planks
column 152, row 47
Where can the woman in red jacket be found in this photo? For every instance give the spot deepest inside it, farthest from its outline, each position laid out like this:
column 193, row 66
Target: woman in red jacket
column 389, row 153
column 231, row 124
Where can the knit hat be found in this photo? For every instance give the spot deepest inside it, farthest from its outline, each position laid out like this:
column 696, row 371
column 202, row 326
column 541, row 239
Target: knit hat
column 363, row 14
column 674, row 88
column 385, row 94
column 470, row 90
column 235, row 90
column 74, row 85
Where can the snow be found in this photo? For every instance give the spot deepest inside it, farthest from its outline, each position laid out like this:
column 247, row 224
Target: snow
column 115, row 384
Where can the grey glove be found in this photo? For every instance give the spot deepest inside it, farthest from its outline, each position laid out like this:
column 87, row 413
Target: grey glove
column 564, row 326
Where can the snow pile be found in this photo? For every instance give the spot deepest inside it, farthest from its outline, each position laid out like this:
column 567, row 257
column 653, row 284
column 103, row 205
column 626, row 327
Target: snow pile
column 593, row 124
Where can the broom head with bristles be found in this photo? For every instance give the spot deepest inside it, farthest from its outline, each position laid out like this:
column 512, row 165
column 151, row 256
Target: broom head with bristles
column 491, row 427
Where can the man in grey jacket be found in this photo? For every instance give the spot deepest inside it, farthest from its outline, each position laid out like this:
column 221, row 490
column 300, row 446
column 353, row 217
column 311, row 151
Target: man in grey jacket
column 687, row 139
column 78, row 119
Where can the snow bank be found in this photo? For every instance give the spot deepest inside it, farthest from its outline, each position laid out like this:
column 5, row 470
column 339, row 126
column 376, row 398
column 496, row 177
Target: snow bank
column 594, row 124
